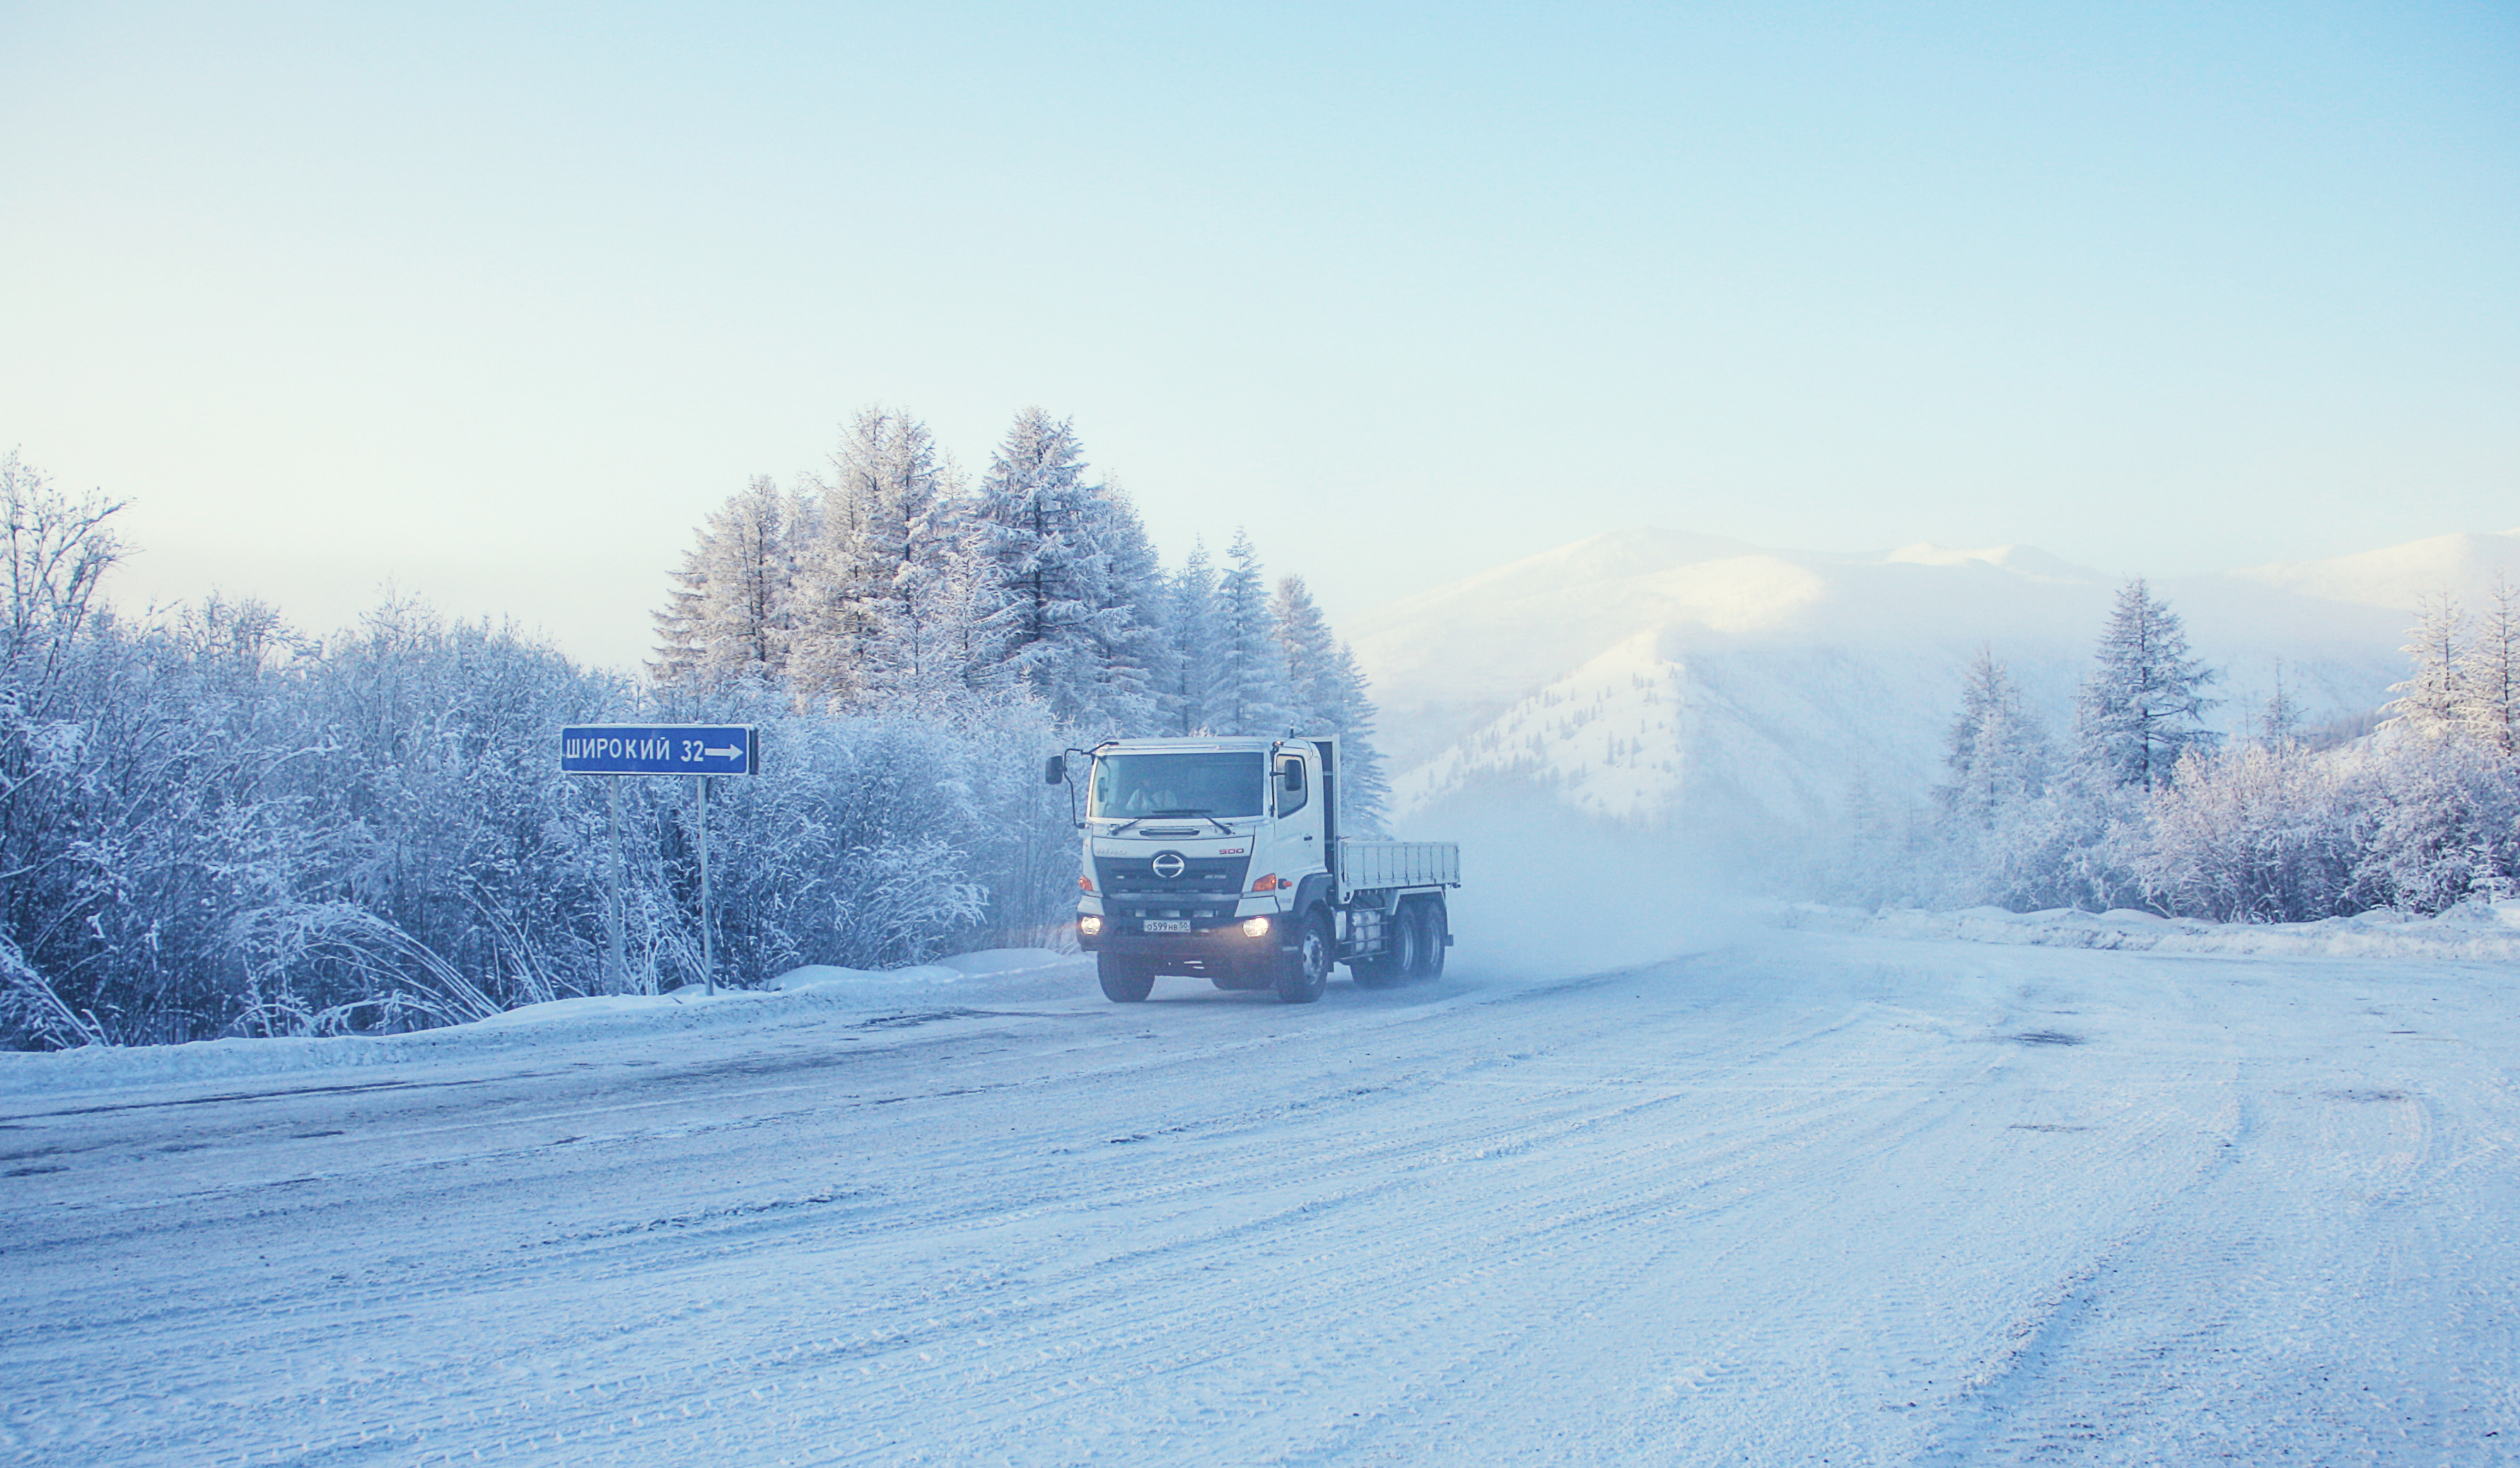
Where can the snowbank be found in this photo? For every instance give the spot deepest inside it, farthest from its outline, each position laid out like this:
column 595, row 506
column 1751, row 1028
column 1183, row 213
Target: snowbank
column 2487, row 932
column 993, row 975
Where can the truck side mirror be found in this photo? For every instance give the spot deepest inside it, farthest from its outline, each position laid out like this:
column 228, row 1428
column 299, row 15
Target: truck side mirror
column 1293, row 774
column 1054, row 772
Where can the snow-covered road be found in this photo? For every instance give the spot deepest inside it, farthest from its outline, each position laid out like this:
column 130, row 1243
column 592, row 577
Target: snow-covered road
column 1797, row 1197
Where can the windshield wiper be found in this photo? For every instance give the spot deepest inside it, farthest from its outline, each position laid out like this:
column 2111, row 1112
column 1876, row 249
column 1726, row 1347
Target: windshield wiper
column 1157, row 816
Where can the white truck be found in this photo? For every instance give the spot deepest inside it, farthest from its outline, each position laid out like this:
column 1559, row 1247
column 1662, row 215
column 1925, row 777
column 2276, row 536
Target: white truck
column 1224, row 859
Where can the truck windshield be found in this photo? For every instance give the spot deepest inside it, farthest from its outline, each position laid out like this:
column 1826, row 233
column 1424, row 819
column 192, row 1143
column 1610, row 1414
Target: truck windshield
column 1135, row 786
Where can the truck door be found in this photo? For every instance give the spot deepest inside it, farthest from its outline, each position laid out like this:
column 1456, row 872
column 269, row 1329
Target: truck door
column 1296, row 838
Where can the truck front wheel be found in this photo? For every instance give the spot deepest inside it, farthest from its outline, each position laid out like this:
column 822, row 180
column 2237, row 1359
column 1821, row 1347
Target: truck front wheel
column 1305, row 972
column 1125, row 981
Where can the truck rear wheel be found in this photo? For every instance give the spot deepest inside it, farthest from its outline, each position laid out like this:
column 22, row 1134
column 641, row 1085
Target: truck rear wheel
column 1125, row 981
column 1432, row 931
column 1402, row 943
column 1305, row 972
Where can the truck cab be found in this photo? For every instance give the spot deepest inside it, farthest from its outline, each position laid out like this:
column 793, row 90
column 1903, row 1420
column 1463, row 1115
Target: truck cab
column 1218, row 859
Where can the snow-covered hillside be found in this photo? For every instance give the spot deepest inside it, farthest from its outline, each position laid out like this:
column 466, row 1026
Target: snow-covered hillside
column 1655, row 675
column 2464, row 564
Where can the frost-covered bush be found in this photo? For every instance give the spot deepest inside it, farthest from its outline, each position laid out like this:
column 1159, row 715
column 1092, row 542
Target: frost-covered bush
column 2445, row 825
column 2265, row 833
column 211, row 825
column 2419, row 815
column 216, row 827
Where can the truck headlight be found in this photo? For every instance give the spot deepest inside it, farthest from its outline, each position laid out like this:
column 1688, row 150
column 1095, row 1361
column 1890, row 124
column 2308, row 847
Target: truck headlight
column 1089, row 925
column 1256, row 927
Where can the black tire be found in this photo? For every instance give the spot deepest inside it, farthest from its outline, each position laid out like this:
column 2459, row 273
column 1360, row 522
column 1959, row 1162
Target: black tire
column 1305, row 972
column 1401, row 945
column 1125, row 981
column 1435, row 928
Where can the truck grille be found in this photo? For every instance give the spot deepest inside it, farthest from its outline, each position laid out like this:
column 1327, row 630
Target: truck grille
column 1199, row 876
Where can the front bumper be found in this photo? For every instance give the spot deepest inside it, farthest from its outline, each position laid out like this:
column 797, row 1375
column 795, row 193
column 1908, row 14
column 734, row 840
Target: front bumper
column 1219, row 941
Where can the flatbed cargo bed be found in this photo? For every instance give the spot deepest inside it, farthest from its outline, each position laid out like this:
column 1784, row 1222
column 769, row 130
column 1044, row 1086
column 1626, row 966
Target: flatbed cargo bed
column 1373, row 865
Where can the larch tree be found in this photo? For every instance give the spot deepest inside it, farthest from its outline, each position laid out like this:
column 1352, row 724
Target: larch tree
column 1189, row 621
column 1131, row 642
column 2489, row 672
column 731, row 611
column 1997, row 751
column 2432, row 702
column 1048, row 597
column 1329, row 695
column 1248, row 693
column 2142, row 702
column 2279, row 720
column 903, row 583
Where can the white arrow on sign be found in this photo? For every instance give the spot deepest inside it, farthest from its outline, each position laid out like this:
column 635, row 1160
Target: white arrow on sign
column 729, row 751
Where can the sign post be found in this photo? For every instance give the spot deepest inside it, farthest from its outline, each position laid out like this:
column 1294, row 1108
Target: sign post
column 699, row 750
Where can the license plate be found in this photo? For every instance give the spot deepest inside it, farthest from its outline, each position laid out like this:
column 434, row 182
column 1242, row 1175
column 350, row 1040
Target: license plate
column 1167, row 925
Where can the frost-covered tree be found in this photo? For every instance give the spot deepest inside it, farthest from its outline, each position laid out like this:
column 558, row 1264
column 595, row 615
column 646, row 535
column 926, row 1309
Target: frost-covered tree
column 2490, row 674
column 1190, row 625
column 58, row 550
column 731, row 611
column 2141, row 704
column 2431, row 702
column 1135, row 652
column 1248, row 693
column 1329, row 695
column 2278, row 720
column 888, row 591
column 1061, row 618
column 1998, row 753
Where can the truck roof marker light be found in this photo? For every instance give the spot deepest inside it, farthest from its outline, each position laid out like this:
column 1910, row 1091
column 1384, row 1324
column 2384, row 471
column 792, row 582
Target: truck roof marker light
column 1269, row 883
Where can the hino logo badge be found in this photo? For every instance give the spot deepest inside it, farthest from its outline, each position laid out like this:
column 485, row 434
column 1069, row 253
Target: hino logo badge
column 1168, row 865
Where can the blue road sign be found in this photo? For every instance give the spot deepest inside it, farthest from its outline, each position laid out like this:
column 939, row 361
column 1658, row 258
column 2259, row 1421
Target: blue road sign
column 659, row 750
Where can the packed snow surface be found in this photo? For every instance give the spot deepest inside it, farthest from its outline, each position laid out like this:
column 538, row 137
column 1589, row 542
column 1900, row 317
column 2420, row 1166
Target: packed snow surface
column 1792, row 1195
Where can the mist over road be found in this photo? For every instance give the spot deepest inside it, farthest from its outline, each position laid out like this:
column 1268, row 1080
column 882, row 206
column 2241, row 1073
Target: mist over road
column 1797, row 1197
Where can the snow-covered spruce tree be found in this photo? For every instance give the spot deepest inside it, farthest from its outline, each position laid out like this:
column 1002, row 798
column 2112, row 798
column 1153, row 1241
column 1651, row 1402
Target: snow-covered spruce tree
column 1247, row 692
column 1051, row 604
column 2432, row 703
column 2141, row 706
column 1190, row 625
column 1329, row 696
column 2490, row 674
column 731, row 611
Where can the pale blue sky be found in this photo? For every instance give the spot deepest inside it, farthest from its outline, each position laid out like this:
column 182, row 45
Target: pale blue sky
column 496, row 301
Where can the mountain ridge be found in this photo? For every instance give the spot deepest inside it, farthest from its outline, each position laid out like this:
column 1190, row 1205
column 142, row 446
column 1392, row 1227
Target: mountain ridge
column 1664, row 676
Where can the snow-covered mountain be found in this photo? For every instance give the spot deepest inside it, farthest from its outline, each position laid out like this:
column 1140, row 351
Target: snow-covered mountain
column 1656, row 676
column 2464, row 564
